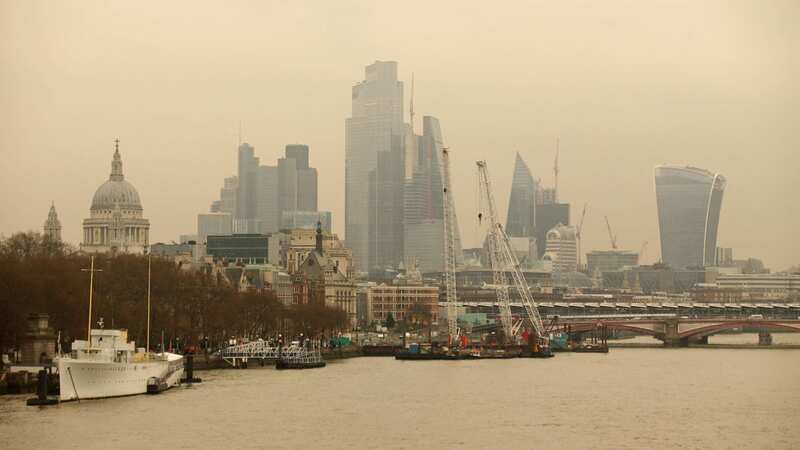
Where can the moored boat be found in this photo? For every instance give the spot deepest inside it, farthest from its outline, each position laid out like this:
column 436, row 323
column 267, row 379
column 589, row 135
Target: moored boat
column 109, row 366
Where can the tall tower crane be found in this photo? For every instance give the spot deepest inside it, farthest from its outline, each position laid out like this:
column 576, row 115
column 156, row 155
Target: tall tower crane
column 611, row 235
column 503, row 259
column 555, row 173
column 578, row 233
column 499, row 278
column 449, row 250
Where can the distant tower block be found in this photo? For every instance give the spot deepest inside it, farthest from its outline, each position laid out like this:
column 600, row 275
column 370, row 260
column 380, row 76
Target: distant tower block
column 52, row 226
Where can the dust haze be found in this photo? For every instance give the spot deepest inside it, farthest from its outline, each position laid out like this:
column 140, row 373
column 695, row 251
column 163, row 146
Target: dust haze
column 625, row 85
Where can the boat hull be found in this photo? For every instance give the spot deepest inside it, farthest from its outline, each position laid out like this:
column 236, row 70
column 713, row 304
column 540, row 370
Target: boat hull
column 85, row 379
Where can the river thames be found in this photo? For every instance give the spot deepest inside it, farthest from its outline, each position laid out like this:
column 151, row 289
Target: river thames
column 628, row 399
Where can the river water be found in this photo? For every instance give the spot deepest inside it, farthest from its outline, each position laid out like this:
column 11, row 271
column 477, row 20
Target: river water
column 631, row 398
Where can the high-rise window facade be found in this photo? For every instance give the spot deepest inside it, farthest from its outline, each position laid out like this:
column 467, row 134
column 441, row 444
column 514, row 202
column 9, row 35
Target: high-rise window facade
column 521, row 219
column 375, row 127
column 423, row 200
column 259, row 195
column 689, row 202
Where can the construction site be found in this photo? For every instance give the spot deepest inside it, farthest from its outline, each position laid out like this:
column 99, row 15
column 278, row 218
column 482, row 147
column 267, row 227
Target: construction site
column 523, row 336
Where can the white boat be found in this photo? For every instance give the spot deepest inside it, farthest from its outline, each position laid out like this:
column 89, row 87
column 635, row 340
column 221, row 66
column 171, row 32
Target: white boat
column 112, row 367
column 107, row 365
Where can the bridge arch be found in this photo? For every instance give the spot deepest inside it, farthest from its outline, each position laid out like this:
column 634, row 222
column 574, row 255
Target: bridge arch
column 615, row 326
column 712, row 329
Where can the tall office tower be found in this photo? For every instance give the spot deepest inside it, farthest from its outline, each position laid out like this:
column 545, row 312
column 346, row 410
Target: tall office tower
column 287, row 184
column 269, row 196
column 521, row 221
column 214, row 223
column 260, row 194
column 299, row 153
column 724, row 256
column 376, row 122
column 52, row 226
column 386, row 208
column 546, row 196
column 549, row 215
column 227, row 196
column 689, row 202
column 245, row 216
column 306, row 178
column 562, row 249
column 306, row 220
column 423, row 200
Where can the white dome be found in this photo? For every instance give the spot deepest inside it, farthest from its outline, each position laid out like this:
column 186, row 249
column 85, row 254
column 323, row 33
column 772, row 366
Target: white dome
column 116, row 192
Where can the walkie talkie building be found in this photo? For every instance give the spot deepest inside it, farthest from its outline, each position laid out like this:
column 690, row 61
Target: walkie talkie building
column 689, row 202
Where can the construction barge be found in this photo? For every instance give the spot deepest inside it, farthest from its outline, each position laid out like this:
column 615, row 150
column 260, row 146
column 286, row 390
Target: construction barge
column 428, row 352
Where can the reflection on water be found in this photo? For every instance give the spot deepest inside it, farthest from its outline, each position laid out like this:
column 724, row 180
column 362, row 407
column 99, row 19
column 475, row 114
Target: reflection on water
column 752, row 338
column 627, row 399
column 725, row 338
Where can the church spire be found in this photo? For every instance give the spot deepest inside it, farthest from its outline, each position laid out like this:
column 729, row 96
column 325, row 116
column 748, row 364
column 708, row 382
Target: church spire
column 116, row 164
column 52, row 226
column 319, row 238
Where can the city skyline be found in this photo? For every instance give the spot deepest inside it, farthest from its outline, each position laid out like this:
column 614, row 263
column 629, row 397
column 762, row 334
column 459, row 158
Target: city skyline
column 178, row 152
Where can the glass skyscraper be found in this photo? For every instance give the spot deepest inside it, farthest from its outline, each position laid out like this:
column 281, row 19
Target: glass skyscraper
column 374, row 128
column 259, row 194
column 689, row 202
column 521, row 219
column 423, row 219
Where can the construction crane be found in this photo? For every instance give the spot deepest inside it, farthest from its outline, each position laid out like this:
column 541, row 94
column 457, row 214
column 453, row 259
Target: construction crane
column 449, row 251
column 611, row 235
column 555, row 174
column 500, row 282
column 505, row 260
column 578, row 233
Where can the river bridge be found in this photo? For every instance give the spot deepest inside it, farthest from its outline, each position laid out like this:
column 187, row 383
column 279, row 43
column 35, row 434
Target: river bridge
column 670, row 328
column 677, row 331
column 782, row 310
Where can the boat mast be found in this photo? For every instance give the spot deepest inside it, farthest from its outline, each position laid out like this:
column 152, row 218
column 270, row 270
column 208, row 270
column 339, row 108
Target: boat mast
column 148, row 304
column 91, row 271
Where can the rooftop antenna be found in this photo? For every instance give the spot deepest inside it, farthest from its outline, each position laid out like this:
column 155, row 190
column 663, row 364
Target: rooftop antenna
column 411, row 105
column 240, row 133
column 555, row 173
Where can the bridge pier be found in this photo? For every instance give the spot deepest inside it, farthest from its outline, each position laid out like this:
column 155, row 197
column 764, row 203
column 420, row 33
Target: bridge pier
column 671, row 337
column 676, row 342
column 764, row 337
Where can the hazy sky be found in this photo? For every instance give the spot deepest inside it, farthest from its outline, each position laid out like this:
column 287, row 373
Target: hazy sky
column 626, row 85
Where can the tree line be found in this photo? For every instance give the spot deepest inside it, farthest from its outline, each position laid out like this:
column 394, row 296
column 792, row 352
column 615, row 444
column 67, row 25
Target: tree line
column 192, row 307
